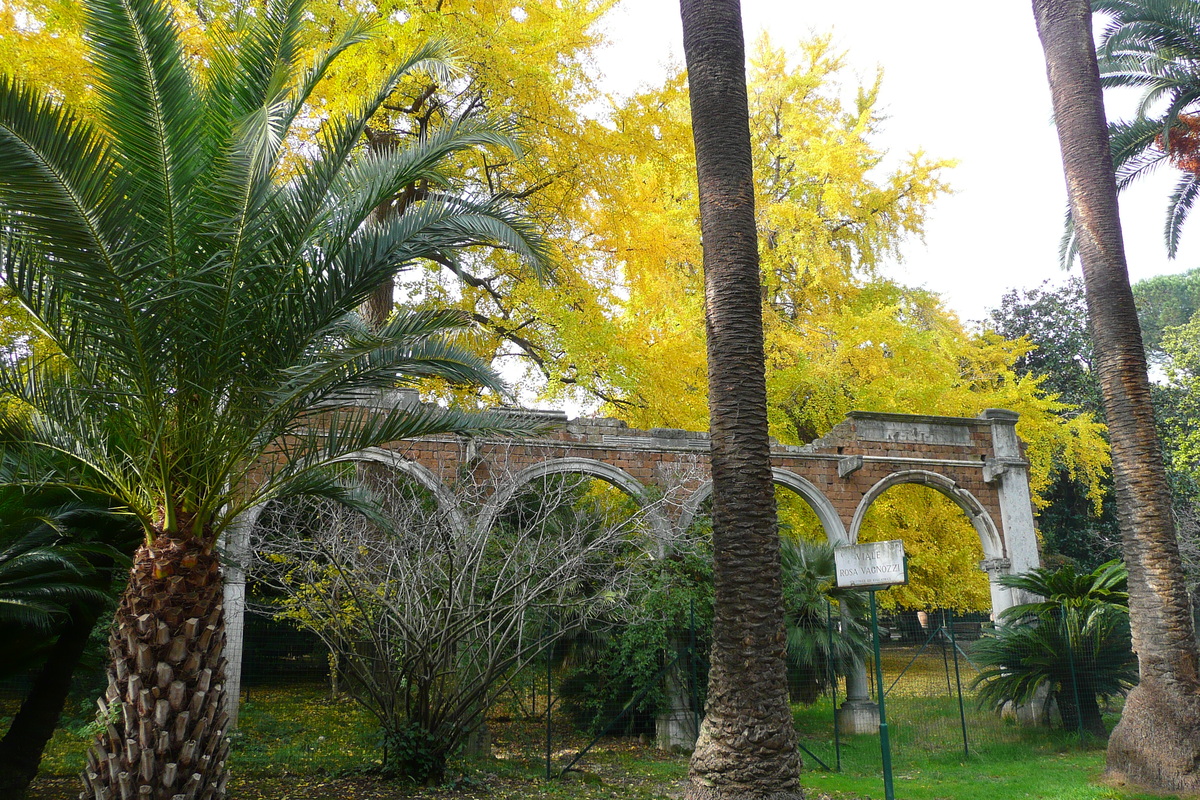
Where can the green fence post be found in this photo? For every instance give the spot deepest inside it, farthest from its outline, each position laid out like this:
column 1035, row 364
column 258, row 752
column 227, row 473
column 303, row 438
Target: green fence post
column 695, row 674
column 941, row 634
column 549, row 704
column 962, row 713
column 885, row 745
column 837, row 737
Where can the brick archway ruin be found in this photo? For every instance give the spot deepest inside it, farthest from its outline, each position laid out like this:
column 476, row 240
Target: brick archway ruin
column 571, row 465
column 977, row 462
column 827, row 513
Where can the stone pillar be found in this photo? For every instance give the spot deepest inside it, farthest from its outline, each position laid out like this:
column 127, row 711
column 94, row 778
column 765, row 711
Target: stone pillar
column 1010, row 472
column 235, row 553
column 857, row 714
column 1039, row 712
column 1002, row 596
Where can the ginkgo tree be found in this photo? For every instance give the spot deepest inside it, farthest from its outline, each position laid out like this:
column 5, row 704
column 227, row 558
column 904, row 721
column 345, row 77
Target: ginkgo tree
column 528, row 64
column 839, row 335
column 609, row 188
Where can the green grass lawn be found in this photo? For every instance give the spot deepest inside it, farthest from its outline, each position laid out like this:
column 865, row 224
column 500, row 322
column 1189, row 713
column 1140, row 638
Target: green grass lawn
column 930, row 762
column 295, row 730
column 1047, row 772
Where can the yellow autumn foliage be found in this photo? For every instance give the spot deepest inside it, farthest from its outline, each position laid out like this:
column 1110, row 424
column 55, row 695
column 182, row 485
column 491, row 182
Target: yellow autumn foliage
column 621, row 322
column 838, row 335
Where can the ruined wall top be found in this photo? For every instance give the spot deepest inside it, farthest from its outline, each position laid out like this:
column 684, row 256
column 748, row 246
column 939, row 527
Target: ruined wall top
column 863, row 432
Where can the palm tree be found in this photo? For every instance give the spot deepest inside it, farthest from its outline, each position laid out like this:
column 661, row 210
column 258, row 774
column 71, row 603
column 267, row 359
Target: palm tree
column 1075, row 642
column 1157, row 741
column 809, row 587
column 197, row 277
column 41, row 577
column 1153, row 45
column 747, row 742
column 57, row 564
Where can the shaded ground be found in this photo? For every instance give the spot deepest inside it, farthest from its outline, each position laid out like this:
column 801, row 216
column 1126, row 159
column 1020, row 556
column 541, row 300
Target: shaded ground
column 305, row 788
column 624, row 768
column 295, row 751
column 295, row 743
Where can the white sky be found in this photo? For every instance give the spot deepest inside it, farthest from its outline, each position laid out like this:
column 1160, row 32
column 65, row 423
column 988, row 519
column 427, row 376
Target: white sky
column 963, row 80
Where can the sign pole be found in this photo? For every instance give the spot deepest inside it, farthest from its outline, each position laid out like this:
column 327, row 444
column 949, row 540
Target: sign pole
column 885, row 745
column 870, row 567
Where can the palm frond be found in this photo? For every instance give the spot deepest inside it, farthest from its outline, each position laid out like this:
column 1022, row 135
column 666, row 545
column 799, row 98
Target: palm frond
column 150, row 106
column 65, row 244
column 413, row 346
column 1087, row 650
column 1068, row 245
column 1178, row 208
column 362, row 185
column 41, row 577
column 357, row 30
column 1103, row 587
column 308, row 201
column 200, row 295
column 1149, row 26
column 1153, row 45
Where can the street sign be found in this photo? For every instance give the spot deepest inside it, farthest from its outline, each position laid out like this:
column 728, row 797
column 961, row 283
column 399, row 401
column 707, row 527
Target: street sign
column 876, row 564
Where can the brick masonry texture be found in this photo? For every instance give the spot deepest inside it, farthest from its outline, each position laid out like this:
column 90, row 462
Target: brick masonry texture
column 675, row 461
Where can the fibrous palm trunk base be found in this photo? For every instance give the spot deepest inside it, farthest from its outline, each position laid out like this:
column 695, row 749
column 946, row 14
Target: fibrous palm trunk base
column 1157, row 741
column 165, row 737
column 745, row 759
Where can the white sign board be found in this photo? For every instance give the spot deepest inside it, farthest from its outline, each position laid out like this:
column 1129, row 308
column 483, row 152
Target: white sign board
column 873, row 564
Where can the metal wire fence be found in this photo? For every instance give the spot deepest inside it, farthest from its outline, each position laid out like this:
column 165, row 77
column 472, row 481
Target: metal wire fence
column 582, row 697
column 933, row 679
column 946, row 683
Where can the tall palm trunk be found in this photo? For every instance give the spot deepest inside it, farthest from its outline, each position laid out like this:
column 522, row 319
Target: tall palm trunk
column 1157, row 742
column 22, row 746
column 747, row 743
column 166, row 694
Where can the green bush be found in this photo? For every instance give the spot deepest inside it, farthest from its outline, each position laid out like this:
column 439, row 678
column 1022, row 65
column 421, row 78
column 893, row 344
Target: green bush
column 812, row 603
column 1074, row 645
column 621, row 663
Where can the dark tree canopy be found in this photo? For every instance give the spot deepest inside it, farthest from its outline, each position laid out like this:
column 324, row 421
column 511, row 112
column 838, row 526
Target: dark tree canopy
column 1055, row 321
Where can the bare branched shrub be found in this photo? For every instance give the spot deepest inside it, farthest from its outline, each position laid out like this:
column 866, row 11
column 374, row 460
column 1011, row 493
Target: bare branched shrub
column 432, row 618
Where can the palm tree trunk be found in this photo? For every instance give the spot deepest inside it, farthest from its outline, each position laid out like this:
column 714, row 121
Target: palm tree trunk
column 1157, row 742
column 747, row 742
column 1085, row 715
column 33, row 726
column 166, row 694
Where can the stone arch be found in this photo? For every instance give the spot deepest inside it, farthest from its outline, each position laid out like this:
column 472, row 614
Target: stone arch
column 571, row 466
column 831, row 522
column 422, row 475
column 235, row 551
column 989, row 535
